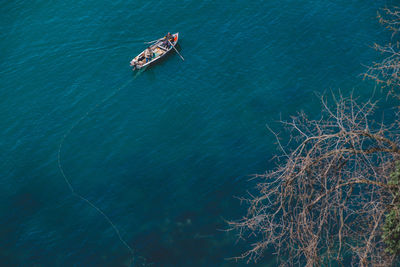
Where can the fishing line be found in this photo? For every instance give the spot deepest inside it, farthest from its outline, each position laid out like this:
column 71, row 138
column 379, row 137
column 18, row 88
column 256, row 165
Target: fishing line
column 73, row 192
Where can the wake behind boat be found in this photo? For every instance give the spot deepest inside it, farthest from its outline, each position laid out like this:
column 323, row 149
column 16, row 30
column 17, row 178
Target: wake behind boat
column 154, row 52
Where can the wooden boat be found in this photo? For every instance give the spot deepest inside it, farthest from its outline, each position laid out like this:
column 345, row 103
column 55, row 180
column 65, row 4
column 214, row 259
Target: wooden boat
column 159, row 48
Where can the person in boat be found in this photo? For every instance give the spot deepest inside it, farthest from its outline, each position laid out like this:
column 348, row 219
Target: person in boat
column 169, row 38
column 148, row 54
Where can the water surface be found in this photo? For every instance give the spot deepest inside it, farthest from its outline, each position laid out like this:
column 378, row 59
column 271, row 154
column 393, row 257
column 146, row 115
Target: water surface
column 165, row 155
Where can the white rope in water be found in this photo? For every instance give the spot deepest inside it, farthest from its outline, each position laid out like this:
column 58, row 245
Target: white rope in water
column 69, row 183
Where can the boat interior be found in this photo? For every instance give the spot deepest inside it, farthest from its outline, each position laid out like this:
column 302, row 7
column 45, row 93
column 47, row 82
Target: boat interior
column 158, row 50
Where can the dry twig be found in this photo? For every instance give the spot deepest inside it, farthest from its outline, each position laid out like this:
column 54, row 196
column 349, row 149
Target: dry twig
column 387, row 71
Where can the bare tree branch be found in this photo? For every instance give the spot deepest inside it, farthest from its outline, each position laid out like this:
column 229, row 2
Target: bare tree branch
column 387, row 71
column 327, row 198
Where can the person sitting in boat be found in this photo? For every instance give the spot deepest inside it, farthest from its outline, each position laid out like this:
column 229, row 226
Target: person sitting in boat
column 169, row 38
column 148, row 54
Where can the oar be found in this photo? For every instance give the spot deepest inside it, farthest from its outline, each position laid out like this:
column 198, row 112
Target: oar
column 176, row 50
column 153, row 41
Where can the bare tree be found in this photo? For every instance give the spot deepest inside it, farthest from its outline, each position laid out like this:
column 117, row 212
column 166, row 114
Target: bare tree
column 387, row 71
column 328, row 197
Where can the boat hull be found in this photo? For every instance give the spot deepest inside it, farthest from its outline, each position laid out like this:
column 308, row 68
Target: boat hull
column 159, row 51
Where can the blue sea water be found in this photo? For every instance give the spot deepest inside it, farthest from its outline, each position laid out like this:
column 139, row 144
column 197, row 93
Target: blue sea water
column 163, row 152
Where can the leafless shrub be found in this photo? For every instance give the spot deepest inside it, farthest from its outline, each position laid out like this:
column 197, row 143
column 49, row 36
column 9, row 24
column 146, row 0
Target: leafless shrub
column 326, row 200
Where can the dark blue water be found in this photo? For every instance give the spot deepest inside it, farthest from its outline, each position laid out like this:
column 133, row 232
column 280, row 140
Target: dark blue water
column 168, row 150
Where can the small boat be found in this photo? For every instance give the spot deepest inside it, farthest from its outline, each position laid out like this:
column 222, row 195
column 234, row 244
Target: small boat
column 159, row 48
